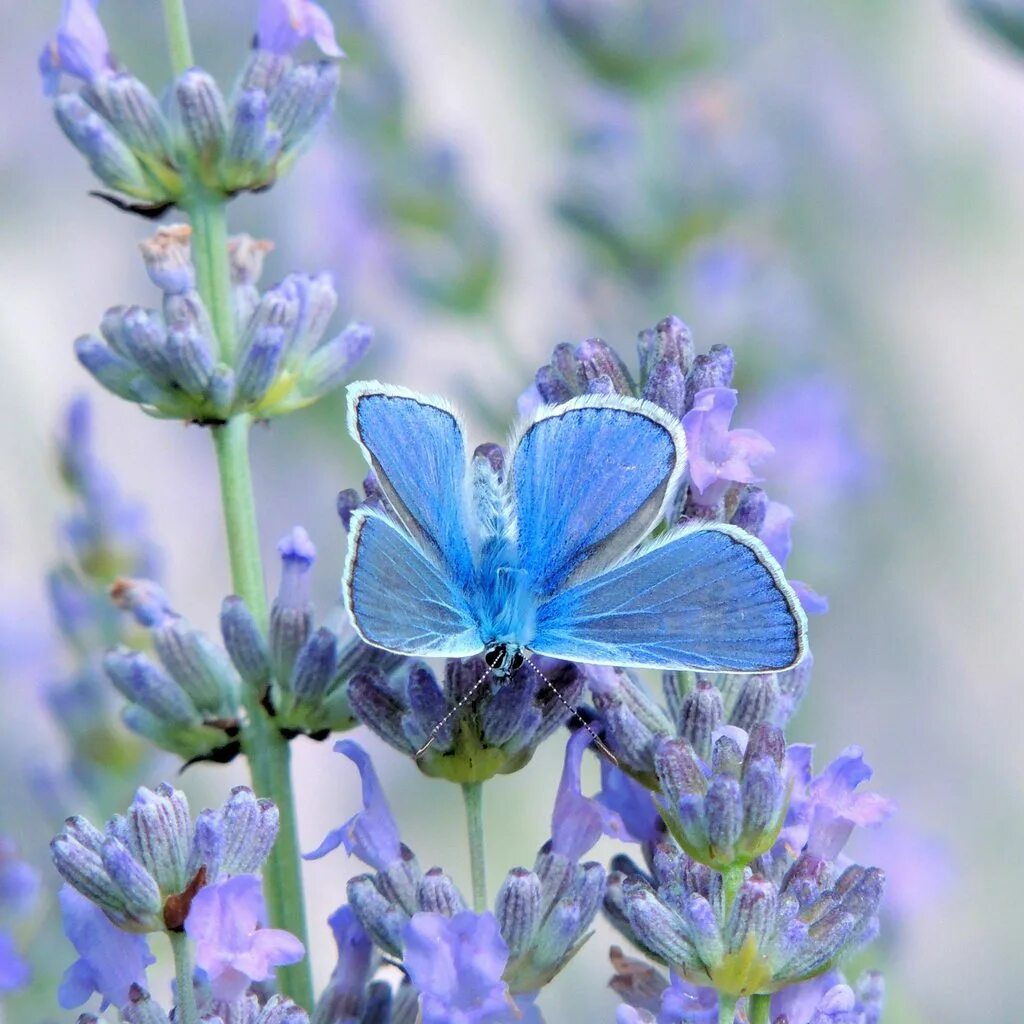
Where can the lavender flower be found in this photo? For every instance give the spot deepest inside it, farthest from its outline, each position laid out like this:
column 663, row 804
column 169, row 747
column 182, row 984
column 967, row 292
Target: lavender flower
column 285, row 24
column 825, row 809
column 15, row 971
column 157, row 153
column 171, row 363
column 716, row 455
column 372, row 833
column 79, row 48
column 110, row 960
column 231, row 946
column 457, row 963
column 144, row 870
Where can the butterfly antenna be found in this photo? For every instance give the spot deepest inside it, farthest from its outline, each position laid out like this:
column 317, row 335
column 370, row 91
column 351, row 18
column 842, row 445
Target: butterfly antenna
column 598, row 742
column 454, row 711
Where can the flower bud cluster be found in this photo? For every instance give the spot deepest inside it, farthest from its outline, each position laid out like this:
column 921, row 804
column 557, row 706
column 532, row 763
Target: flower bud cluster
column 496, row 731
column 699, row 705
column 189, row 699
column 145, row 868
column 726, row 814
column 174, row 363
column 787, row 921
column 160, row 152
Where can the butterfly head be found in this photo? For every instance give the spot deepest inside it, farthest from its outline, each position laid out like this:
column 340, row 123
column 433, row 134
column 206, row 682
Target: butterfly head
column 504, row 659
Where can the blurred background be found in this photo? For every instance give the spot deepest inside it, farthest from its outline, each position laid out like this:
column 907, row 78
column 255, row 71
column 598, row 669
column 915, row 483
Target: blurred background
column 835, row 190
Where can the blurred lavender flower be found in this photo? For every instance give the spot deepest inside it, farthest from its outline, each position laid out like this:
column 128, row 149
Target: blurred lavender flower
column 283, row 25
column 110, row 960
column 19, row 891
column 105, row 535
column 232, row 948
column 15, row 971
column 170, row 363
column 155, row 153
column 456, row 963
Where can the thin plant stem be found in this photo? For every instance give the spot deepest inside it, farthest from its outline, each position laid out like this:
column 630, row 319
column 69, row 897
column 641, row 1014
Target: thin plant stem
column 266, row 750
column 184, row 995
column 178, row 38
column 759, row 1009
column 726, row 1008
column 473, row 795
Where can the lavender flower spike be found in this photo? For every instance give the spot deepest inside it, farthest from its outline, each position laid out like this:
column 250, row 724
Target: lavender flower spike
column 79, row 47
column 457, row 964
column 371, row 834
column 231, row 947
column 285, row 24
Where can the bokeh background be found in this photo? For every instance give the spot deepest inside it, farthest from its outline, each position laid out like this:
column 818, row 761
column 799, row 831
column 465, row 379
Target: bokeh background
column 834, row 189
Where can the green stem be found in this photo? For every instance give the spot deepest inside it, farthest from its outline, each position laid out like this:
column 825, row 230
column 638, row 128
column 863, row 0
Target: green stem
column 473, row 795
column 726, row 1008
column 732, row 879
column 267, row 751
column 759, row 1009
column 185, row 994
column 178, row 38
column 265, row 748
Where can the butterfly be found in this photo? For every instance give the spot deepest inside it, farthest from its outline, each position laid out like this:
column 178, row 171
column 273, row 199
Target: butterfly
column 554, row 556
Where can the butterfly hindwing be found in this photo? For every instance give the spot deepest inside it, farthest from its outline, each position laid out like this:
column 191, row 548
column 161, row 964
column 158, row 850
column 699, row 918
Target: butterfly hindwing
column 417, row 449
column 589, row 480
column 400, row 599
column 710, row 598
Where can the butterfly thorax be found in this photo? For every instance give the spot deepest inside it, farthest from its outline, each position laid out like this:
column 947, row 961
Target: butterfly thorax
column 505, row 602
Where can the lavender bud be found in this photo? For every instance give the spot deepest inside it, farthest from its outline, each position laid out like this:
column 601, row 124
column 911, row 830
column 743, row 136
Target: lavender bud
column 764, row 799
column 751, row 509
column 437, row 894
column 82, row 868
column 793, row 684
column 318, row 299
column 247, row 139
column 726, row 753
column 136, row 116
column 517, row 909
column 202, row 116
column 756, row 702
column 263, row 70
column 377, row 707
column 381, row 919
column 701, row 713
column 244, row 642
column 167, row 255
column 190, row 360
column 141, row 1008
column 345, row 504
column 675, row 342
column 723, row 810
column 143, row 683
column 139, row 891
column 115, row 373
column 201, row 668
column 765, row 741
column 594, row 359
column 328, row 365
column 250, row 827
column 752, row 917
column 281, row 1010
column 160, row 835
column 291, row 616
column 666, row 386
column 302, row 100
column 713, row 370
column 552, row 386
column 315, row 667
column 110, row 159
column 658, row 928
column 207, row 849
column 678, row 772
column 400, row 880
column 139, row 336
column 259, row 364
column 427, row 708
column 703, row 929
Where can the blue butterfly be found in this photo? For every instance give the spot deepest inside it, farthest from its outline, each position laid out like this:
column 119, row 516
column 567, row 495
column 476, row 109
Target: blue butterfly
column 548, row 557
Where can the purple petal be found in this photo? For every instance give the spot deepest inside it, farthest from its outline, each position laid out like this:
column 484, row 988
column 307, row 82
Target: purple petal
column 578, row 821
column 812, row 602
column 79, row 47
column 633, row 803
column 372, row 833
column 15, row 973
column 776, row 534
column 283, row 25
